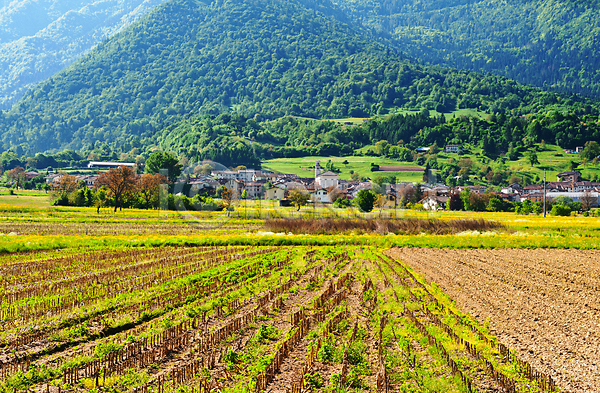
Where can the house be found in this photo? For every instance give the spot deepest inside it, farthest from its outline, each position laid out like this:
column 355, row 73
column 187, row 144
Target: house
column 569, row 176
column 575, row 196
column 274, row 194
column 578, row 149
column 320, row 195
column 53, row 177
column 327, row 179
column 254, row 189
column 534, row 197
column 246, row 175
column 31, row 175
column 434, row 202
column 513, row 188
column 264, row 176
column 220, row 175
column 102, row 164
column 235, row 185
column 453, row 148
column 90, row 181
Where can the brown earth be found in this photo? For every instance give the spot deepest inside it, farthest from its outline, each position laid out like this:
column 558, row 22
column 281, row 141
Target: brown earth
column 542, row 303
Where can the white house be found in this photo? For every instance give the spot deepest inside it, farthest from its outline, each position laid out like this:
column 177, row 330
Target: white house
column 434, row 203
column 320, row 195
column 453, row 148
column 101, row 164
column 327, row 179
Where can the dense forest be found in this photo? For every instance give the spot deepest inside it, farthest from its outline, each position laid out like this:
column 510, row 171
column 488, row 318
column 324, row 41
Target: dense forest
column 260, row 59
column 237, row 140
column 552, row 44
column 41, row 37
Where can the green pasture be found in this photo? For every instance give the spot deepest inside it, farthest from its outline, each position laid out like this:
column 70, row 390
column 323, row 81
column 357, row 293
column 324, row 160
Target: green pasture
column 305, row 167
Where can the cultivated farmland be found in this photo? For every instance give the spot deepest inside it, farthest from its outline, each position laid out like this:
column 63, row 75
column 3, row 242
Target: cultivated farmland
column 241, row 319
column 542, row 303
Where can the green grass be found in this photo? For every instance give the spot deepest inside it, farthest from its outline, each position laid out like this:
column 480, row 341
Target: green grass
column 25, row 199
column 304, row 167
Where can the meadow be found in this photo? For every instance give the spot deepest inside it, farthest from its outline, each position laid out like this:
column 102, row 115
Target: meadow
column 161, row 301
column 305, row 167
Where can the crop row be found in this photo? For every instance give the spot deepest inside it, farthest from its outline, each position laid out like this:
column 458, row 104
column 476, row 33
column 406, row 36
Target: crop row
column 290, row 319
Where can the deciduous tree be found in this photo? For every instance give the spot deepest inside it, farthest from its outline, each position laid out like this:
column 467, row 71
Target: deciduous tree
column 63, row 187
column 17, row 175
column 119, row 181
column 166, row 161
column 298, row 198
column 147, row 187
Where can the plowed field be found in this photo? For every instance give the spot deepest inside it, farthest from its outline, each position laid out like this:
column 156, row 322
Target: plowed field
column 542, row 303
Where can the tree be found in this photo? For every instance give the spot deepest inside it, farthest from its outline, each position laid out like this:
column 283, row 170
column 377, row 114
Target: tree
column 591, row 150
column 99, row 199
column 365, row 199
column 334, row 193
column 560, row 210
column 532, row 157
column 147, row 187
column 17, row 175
column 63, row 187
column 119, row 181
column 588, row 200
column 380, row 202
column 245, row 194
column 165, row 161
column 465, row 196
column 298, row 198
column 495, row 205
column 455, row 202
column 227, row 197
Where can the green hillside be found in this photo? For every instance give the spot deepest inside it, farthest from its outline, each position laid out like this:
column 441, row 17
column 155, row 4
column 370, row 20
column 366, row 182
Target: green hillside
column 41, row 37
column 258, row 58
column 553, row 44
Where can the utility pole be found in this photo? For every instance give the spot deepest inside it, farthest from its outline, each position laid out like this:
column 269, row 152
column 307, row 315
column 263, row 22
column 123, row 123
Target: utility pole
column 544, row 193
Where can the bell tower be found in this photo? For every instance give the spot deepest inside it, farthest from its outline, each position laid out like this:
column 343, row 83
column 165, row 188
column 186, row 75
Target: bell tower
column 317, row 168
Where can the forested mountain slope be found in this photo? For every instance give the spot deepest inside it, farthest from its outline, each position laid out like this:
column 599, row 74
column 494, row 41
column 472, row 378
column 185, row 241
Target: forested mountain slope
column 256, row 57
column 554, row 44
column 40, row 37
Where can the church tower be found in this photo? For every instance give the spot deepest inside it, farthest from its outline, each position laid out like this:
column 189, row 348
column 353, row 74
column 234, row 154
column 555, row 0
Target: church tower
column 317, row 168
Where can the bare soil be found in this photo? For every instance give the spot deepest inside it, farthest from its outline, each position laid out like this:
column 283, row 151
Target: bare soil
column 544, row 304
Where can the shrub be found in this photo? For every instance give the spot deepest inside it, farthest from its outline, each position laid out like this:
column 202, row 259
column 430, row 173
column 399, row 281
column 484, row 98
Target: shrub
column 560, row 210
column 313, row 381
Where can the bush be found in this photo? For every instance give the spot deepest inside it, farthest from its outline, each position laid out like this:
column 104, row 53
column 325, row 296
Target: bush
column 266, row 332
column 365, row 200
column 560, row 210
column 313, row 381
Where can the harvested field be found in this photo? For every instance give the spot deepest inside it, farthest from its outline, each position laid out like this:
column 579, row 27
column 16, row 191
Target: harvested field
column 542, row 303
column 240, row 319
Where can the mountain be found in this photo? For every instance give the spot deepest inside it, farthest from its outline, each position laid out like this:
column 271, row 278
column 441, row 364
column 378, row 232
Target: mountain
column 258, row 58
column 553, row 44
column 40, row 37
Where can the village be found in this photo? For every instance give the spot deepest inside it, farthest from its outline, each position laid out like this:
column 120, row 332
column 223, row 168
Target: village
column 326, row 187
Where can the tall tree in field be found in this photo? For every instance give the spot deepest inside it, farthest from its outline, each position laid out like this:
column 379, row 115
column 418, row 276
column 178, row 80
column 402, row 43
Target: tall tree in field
column 227, row 197
column 63, row 188
column 160, row 160
column 147, row 187
column 298, row 198
column 533, row 158
column 17, row 175
column 119, row 181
